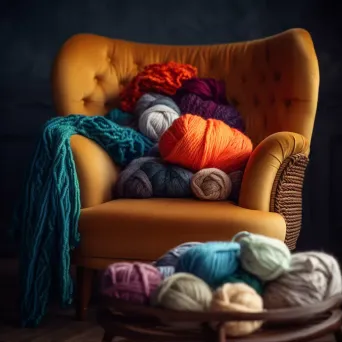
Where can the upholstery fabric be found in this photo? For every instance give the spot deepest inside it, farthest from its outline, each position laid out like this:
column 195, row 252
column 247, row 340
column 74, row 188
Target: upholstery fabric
column 144, row 229
column 273, row 82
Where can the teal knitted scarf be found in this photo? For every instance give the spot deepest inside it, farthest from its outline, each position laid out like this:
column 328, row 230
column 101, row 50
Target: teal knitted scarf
column 46, row 219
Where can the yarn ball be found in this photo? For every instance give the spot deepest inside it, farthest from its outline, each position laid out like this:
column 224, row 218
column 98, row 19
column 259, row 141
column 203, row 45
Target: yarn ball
column 121, row 118
column 196, row 143
column 163, row 78
column 182, row 292
column 211, row 261
column 132, row 282
column 236, row 179
column 313, row 277
column 211, row 184
column 148, row 177
column 154, row 151
column 205, row 88
column 154, row 121
column 171, row 257
column 237, row 297
column 265, row 257
column 242, row 276
column 166, row 271
column 152, row 99
column 193, row 104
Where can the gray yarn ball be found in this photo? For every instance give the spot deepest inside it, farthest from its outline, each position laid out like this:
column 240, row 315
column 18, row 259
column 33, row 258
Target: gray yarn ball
column 154, row 121
column 312, row 278
column 236, row 179
column 152, row 99
column 151, row 177
column 156, row 113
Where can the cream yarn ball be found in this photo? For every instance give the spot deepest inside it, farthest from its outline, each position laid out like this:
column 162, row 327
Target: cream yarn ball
column 237, row 297
column 183, row 292
column 211, row 184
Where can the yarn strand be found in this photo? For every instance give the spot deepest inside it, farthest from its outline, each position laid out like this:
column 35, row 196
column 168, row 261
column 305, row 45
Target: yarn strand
column 46, row 219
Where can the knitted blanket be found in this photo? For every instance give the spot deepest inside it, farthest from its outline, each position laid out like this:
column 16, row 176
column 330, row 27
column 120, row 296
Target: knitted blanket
column 46, row 220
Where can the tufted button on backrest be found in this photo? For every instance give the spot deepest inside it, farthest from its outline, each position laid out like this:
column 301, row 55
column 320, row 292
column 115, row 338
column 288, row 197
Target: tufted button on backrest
column 273, row 82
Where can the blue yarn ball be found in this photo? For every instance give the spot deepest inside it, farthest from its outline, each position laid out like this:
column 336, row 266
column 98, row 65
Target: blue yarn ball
column 121, row 118
column 148, row 177
column 171, row 257
column 166, row 271
column 213, row 262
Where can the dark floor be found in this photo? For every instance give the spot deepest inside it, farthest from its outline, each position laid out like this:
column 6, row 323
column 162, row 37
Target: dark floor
column 59, row 325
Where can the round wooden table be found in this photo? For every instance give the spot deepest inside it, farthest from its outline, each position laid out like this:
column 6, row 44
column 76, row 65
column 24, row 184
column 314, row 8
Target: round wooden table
column 143, row 323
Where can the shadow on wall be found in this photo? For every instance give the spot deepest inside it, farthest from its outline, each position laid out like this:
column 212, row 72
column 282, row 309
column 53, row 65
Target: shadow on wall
column 33, row 31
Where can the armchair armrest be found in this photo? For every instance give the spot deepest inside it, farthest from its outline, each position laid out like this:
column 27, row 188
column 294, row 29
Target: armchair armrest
column 96, row 171
column 273, row 179
column 263, row 166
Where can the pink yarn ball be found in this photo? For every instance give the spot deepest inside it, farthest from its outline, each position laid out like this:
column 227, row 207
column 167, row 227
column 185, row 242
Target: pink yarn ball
column 133, row 282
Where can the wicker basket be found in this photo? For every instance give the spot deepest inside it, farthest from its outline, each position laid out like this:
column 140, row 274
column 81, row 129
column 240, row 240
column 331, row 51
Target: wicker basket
column 142, row 323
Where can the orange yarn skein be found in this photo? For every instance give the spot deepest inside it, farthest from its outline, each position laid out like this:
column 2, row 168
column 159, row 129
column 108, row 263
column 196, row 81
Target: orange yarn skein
column 163, row 78
column 196, row 143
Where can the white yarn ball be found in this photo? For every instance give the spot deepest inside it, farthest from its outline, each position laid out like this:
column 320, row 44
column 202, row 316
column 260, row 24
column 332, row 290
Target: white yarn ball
column 154, row 121
column 152, row 99
column 312, row 278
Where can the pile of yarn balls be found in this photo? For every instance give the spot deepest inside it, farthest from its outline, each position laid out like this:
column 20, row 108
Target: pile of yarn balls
column 200, row 147
column 250, row 273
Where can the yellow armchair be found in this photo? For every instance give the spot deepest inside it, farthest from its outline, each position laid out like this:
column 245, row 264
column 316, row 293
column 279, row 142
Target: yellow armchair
column 274, row 84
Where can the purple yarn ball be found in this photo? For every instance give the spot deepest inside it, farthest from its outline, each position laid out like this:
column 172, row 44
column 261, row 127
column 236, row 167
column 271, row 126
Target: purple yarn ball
column 205, row 88
column 193, row 104
column 132, row 282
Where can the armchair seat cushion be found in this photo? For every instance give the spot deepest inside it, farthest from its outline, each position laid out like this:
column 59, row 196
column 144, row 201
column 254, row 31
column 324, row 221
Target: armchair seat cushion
column 145, row 229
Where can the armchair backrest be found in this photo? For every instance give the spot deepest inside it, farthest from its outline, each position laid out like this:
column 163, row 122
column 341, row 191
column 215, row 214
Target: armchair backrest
column 273, row 82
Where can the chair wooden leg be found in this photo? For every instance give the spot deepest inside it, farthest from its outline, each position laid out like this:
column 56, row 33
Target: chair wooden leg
column 84, row 282
column 107, row 337
column 338, row 335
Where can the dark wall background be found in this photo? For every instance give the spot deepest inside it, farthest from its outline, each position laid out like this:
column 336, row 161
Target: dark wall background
column 31, row 32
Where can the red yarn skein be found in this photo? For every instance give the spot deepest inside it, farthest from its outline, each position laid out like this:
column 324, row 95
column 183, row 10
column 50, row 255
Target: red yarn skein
column 196, row 143
column 164, row 78
column 133, row 282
